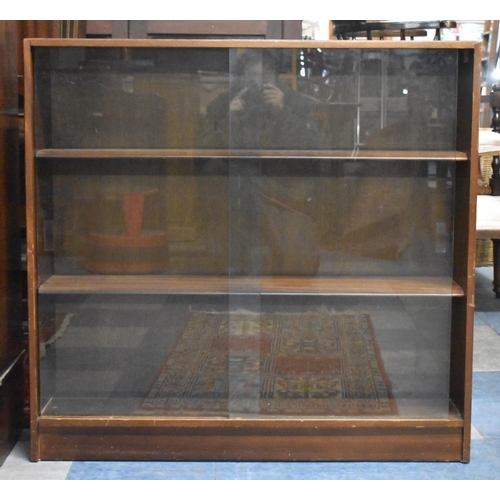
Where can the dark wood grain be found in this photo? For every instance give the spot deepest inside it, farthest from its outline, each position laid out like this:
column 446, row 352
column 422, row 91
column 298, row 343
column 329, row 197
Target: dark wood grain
column 33, row 29
column 256, row 440
column 11, row 332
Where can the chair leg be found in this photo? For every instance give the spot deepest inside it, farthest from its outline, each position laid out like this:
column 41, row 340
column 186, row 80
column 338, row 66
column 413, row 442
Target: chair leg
column 496, row 268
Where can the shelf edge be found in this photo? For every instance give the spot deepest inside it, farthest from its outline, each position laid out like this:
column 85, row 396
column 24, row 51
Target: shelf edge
column 212, row 285
column 243, row 154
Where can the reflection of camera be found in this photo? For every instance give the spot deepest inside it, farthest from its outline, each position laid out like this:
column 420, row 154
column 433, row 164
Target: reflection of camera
column 253, row 94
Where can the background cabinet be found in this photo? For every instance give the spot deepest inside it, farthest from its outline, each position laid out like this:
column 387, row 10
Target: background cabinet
column 194, row 29
column 220, row 269
column 11, row 333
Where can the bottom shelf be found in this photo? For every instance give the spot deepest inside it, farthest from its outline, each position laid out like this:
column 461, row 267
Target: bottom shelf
column 250, row 440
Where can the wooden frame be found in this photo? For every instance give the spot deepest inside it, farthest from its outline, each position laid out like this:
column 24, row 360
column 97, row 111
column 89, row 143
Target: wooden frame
column 126, row 438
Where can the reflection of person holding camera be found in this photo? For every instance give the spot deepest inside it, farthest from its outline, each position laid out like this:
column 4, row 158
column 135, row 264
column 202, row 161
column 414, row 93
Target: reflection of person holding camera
column 259, row 111
column 270, row 94
column 269, row 228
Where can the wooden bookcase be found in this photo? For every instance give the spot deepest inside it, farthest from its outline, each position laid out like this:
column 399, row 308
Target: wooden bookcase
column 251, row 250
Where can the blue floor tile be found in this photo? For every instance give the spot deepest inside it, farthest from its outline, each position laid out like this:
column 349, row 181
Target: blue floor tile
column 486, row 385
column 490, row 318
column 478, row 321
column 484, row 464
column 141, row 470
column 486, row 418
column 295, row 471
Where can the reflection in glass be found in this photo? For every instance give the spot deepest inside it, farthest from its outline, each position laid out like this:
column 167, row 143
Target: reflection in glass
column 214, row 263
column 198, row 357
column 247, row 217
column 273, row 99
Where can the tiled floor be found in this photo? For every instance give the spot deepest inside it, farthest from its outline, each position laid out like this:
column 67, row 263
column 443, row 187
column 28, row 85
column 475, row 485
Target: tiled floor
column 485, row 453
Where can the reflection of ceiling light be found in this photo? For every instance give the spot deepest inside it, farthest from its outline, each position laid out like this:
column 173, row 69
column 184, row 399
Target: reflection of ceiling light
column 405, row 91
column 496, row 73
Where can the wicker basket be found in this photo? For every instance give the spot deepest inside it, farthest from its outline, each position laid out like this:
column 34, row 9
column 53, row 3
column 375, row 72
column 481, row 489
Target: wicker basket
column 484, row 253
column 484, row 248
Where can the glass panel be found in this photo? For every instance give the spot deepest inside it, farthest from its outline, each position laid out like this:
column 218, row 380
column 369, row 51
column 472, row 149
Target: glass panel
column 300, row 99
column 302, row 357
column 400, row 99
column 266, row 217
column 221, row 281
column 126, row 98
column 116, row 354
column 250, row 220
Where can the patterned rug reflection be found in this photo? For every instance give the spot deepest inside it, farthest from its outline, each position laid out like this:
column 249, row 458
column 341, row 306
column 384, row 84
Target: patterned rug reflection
column 273, row 365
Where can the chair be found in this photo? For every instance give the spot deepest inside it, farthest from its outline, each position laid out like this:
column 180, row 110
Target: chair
column 387, row 29
column 488, row 205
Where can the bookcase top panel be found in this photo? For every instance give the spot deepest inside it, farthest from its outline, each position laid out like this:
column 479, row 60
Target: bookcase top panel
column 242, row 43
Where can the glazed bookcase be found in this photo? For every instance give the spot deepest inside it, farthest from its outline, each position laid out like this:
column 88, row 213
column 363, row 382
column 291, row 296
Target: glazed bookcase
column 251, row 250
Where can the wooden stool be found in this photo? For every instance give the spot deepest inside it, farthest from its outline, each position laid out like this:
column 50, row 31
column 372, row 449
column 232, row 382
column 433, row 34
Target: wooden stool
column 134, row 250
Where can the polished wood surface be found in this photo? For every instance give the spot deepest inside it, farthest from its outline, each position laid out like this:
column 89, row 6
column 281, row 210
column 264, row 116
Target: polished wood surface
column 31, row 244
column 288, row 440
column 220, row 153
column 334, row 44
column 265, row 285
column 465, row 237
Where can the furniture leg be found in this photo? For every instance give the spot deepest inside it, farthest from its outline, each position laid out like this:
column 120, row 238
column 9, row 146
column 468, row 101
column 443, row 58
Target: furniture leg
column 496, row 268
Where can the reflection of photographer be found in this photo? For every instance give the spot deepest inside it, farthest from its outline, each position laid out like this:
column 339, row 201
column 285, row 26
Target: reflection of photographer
column 254, row 94
column 267, row 225
column 259, row 111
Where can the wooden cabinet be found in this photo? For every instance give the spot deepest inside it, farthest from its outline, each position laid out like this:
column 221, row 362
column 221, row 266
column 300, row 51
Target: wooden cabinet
column 194, row 29
column 221, row 267
column 11, row 333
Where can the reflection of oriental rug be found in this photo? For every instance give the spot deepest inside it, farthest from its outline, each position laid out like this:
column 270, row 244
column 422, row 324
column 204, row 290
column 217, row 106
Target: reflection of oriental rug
column 273, row 365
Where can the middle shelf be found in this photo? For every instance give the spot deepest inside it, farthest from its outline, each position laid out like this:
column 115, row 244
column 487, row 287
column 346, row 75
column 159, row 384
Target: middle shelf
column 265, row 154
column 266, row 285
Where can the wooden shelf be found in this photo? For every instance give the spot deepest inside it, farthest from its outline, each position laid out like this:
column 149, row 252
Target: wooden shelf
column 249, row 43
column 225, row 153
column 453, row 420
column 266, row 285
